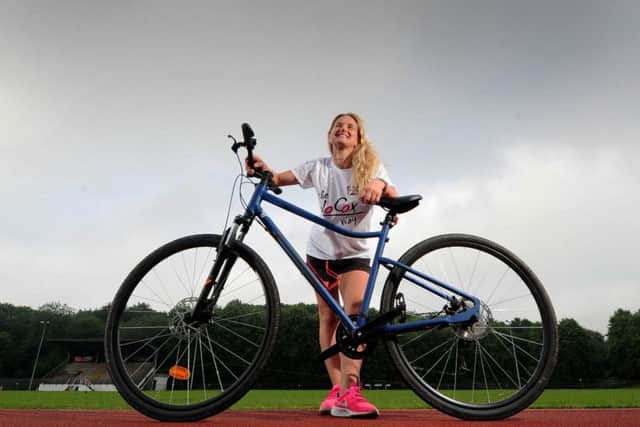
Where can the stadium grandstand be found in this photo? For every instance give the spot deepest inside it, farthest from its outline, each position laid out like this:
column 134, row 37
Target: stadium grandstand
column 85, row 369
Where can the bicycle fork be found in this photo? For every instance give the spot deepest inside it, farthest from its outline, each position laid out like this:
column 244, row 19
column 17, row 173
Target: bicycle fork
column 225, row 259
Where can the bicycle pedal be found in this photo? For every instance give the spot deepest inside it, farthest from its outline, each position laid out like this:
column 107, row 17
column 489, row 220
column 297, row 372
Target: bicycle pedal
column 401, row 307
column 331, row 351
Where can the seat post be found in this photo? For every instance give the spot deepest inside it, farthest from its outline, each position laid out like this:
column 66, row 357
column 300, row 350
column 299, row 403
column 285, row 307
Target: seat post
column 390, row 218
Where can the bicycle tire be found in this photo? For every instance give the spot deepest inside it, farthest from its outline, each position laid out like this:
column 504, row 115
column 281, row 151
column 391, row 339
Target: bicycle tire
column 226, row 352
column 523, row 360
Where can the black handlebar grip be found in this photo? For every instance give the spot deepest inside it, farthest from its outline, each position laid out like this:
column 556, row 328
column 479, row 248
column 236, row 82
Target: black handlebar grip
column 248, row 136
column 249, row 141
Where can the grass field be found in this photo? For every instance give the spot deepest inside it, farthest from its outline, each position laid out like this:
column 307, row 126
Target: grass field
column 309, row 399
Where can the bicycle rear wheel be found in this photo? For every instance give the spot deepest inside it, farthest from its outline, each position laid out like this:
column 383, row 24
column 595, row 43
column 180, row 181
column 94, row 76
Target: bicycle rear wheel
column 488, row 369
column 173, row 369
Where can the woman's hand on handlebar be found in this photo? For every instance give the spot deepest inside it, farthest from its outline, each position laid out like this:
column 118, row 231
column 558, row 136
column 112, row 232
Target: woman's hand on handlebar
column 258, row 163
column 277, row 178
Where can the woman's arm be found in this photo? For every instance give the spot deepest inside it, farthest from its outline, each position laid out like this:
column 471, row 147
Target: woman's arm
column 284, row 178
column 377, row 188
column 388, row 190
column 279, row 178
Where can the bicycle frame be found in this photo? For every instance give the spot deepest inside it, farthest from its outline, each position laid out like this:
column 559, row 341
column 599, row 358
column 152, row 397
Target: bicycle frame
column 254, row 208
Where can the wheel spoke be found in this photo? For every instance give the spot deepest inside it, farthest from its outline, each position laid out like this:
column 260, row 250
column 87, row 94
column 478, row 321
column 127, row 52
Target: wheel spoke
column 520, row 365
column 235, row 322
column 473, row 377
column 128, row 343
column 246, row 362
column 189, row 284
column 239, row 288
column 156, row 368
column 153, row 291
column 151, row 300
column 428, row 331
column 440, row 358
column 158, row 278
column 248, row 341
column 213, row 359
column 184, row 286
column 535, row 359
column 149, row 341
column 194, row 281
column 473, row 272
column 514, row 337
column 499, row 366
column 204, row 379
column 221, row 361
column 506, row 270
column 418, row 304
column 446, row 363
column 455, row 266
column 253, row 313
column 431, row 351
column 145, row 327
column 510, row 299
column 516, row 327
column 455, row 371
column 484, row 373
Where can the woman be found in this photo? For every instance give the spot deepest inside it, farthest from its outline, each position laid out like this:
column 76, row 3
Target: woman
column 348, row 184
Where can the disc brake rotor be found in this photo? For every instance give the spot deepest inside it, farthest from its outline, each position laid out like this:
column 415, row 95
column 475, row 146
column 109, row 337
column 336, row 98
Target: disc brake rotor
column 479, row 328
column 178, row 325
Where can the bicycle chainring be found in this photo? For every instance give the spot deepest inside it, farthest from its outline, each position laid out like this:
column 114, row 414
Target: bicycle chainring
column 354, row 346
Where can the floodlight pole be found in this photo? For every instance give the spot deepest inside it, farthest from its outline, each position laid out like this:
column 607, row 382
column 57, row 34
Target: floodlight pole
column 44, row 324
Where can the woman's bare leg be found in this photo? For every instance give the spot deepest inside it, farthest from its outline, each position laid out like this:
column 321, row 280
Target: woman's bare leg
column 352, row 287
column 328, row 324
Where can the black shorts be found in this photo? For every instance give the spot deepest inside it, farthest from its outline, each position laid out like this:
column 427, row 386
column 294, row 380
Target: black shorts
column 329, row 271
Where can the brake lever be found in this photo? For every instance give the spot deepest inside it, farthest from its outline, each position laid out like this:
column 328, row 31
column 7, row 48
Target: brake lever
column 235, row 145
column 250, row 144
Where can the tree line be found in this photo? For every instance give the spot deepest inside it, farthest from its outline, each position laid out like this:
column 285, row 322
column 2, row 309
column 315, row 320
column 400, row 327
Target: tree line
column 586, row 357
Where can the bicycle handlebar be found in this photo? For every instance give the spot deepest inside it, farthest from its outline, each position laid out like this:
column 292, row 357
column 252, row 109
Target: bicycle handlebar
column 249, row 142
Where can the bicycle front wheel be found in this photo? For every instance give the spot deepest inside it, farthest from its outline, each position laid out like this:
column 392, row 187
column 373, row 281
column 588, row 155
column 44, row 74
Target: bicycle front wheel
column 174, row 369
column 491, row 367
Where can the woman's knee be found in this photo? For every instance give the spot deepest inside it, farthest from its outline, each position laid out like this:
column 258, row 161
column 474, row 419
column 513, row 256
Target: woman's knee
column 353, row 307
column 327, row 317
column 325, row 314
column 353, row 286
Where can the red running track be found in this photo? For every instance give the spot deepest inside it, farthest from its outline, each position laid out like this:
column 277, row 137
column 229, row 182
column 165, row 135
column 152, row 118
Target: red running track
column 308, row 418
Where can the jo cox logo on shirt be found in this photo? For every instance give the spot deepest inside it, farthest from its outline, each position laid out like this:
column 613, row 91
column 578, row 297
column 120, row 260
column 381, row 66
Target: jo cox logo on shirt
column 340, row 207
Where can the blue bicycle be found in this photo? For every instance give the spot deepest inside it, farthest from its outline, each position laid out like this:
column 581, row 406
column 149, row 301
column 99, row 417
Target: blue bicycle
column 468, row 325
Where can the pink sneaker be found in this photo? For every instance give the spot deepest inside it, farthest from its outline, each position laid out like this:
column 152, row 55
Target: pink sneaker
column 330, row 400
column 352, row 404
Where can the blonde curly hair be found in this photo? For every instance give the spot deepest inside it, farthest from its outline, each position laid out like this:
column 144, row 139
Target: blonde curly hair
column 365, row 159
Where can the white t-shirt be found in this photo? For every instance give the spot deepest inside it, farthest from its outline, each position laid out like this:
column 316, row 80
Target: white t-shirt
column 339, row 204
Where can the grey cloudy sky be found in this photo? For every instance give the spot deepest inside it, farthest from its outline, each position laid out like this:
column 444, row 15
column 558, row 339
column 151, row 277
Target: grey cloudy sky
column 517, row 121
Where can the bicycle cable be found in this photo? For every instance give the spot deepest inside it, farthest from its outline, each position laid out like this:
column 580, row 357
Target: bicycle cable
column 244, row 179
column 233, row 190
column 244, row 203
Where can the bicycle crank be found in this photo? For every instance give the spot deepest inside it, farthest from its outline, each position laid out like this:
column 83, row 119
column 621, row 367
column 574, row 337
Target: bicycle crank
column 355, row 345
column 362, row 342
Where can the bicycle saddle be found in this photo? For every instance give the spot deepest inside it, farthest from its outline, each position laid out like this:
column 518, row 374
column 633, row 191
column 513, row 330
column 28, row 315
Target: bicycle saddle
column 400, row 204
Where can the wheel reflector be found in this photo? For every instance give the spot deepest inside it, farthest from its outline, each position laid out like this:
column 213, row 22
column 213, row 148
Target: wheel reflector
column 179, row 372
